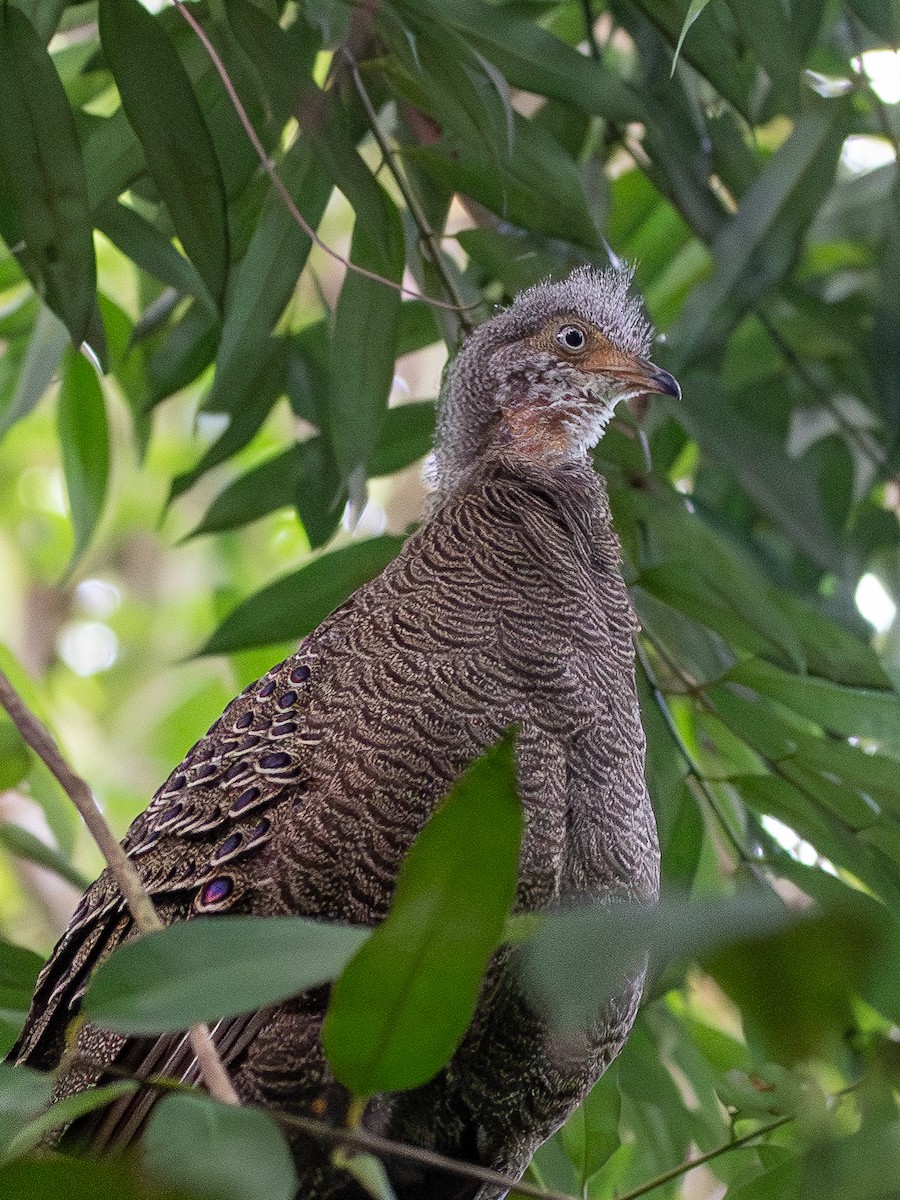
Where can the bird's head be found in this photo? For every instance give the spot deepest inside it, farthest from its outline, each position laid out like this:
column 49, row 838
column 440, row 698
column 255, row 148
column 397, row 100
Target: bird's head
column 540, row 381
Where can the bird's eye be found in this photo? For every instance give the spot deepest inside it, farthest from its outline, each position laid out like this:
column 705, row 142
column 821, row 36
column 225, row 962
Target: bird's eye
column 572, row 338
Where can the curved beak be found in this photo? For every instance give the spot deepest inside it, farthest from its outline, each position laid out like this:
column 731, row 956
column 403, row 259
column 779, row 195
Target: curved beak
column 650, row 378
column 640, row 373
column 656, row 379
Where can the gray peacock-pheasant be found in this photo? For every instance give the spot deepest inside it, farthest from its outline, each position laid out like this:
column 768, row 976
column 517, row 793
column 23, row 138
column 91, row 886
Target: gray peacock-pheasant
column 507, row 606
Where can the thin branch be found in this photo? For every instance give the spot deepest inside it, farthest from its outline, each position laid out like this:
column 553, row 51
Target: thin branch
column 277, row 182
column 412, row 201
column 693, row 769
column 735, row 1144
column 691, row 1163
column 145, row 916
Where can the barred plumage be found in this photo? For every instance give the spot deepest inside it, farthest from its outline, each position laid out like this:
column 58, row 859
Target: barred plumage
column 507, row 605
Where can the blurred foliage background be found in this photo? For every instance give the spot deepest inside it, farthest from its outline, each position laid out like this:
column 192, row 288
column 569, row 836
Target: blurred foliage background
column 240, row 445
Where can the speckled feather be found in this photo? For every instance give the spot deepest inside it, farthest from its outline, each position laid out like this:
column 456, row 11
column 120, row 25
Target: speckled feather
column 507, row 605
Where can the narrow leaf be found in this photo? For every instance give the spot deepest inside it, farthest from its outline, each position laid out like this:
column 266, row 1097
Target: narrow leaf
column 84, row 438
column 264, row 279
column 23, row 844
column 207, row 969
column 40, row 158
column 57, row 1115
column 293, row 606
column 403, row 1003
column 852, row 712
column 694, row 10
column 581, row 958
column 363, row 345
column 163, row 111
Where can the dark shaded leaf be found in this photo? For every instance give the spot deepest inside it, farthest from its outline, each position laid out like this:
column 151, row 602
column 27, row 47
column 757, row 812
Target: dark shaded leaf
column 18, row 974
column 158, row 100
column 759, row 244
column 151, row 250
column 79, row 1179
column 57, row 1115
column 791, row 1019
column 245, row 419
column 293, row 606
column 23, row 1094
column 581, row 958
column 206, row 969
column 407, row 435
column 187, row 350
column 218, row 1151
column 84, row 439
column 535, row 60
column 42, row 168
column 262, row 282
column 402, row 1004
column 537, row 187
column 363, row 345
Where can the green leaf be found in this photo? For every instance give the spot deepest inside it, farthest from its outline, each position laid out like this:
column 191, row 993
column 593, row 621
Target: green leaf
column 533, row 59
column 19, row 969
column 401, row 1006
column 262, row 283
column 163, row 111
column 77, row 1179
column 407, row 435
column 784, row 489
column 14, row 757
column 187, row 350
column 758, row 246
column 293, row 606
column 40, row 159
column 46, row 347
column 828, row 649
column 20, row 842
column 851, row 712
column 31, row 1135
column 207, row 969
column 581, row 958
column 84, row 439
column 23, row 1095
column 218, row 1151
column 695, row 8
column 591, row 1134
column 363, row 344
column 792, row 1020
column 537, row 187
column 151, row 250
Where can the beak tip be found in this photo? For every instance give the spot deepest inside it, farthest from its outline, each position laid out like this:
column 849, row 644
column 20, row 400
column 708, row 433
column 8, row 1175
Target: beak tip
column 668, row 384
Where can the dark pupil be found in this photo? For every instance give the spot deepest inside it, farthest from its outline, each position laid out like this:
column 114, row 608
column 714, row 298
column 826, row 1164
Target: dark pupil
column 574, row 338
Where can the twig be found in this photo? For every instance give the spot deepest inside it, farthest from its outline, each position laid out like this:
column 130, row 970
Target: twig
column 693, row 769
column 145, row 916
column 277, row 182
column 412, row 202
